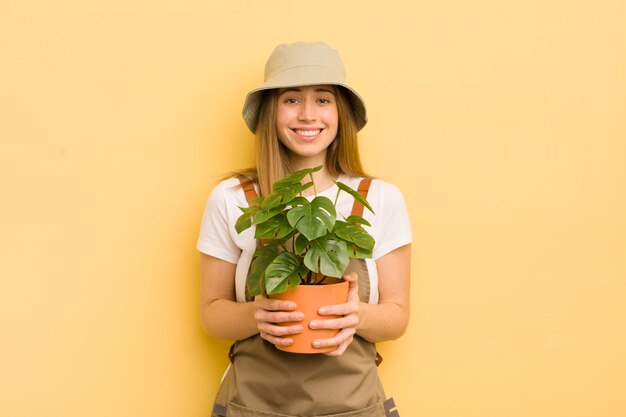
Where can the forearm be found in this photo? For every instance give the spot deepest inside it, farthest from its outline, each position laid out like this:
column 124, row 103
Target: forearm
column 389, row 318
column 384, row 321
column 227, row 319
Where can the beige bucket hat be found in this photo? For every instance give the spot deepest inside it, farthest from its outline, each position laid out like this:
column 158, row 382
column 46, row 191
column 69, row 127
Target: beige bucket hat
column 299, row 64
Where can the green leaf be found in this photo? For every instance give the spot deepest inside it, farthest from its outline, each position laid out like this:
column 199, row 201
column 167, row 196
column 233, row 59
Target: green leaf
column 294, row 178
column 355, row 252
column 283, row 195
column 358, row 220
column 354, row 233
column 329, row 257
column 256, row 202
column 275, row 228
column 264, row 215
column 272, row 200
column 313, row 219
column 300, row 244
column 294, row 280
column 245, row 220
column 303, row 271
column 263, row 256
column 355, row 194
column 283, row 270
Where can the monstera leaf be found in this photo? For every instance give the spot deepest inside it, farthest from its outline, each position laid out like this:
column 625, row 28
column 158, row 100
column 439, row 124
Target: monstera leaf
column 283, row 195
column 265, row 215
column 355, row 194
column 328, row 257
column 282, row 270
column 245, row 220
column 312, row 219
column 294, row 178
column 263, row 257
column 300, row 244
column 277, row 227
column 360, row 243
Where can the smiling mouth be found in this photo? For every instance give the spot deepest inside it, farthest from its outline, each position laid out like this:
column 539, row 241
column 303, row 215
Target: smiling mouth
column 308, row 132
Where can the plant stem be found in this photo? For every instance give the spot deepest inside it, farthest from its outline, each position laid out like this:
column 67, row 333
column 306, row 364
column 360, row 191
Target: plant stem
column 314, row 189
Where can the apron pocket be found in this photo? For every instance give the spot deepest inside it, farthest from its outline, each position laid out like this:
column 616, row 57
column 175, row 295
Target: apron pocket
column 235, row 410
column 376, row 410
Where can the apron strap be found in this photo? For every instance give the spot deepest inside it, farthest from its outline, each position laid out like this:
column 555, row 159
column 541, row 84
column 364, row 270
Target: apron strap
column 247, row 185
column 364, row 187
column 357, row 210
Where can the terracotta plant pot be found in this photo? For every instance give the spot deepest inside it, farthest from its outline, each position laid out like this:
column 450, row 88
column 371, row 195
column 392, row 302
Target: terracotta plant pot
column 309, row 298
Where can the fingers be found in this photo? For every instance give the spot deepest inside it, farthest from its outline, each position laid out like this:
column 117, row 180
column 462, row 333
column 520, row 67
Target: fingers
column 261, row 301
column 275, row 311
column 269, row 312
column 340, row 349
column 342, row 341
column 351, row 307
column 277, row 340
column 352, row 277
column 261, row 315
column 347, row 322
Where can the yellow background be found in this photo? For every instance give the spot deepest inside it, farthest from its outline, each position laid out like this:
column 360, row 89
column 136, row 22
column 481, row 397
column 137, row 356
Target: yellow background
column 503, row 122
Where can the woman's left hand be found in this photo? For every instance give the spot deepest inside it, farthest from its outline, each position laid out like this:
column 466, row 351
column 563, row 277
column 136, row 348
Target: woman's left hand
column 347, row 323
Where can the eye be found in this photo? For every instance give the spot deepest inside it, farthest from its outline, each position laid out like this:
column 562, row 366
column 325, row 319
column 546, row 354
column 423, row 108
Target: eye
column 324, row 100
column 290, row 100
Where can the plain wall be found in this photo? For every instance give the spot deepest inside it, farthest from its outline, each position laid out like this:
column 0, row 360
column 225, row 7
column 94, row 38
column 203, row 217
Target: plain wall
column 502, row 122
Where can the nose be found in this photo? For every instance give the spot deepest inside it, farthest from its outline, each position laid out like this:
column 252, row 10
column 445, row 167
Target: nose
column 307, row 111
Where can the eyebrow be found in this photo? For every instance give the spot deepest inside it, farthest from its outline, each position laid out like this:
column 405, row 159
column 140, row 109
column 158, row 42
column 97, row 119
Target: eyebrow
column 298, row 89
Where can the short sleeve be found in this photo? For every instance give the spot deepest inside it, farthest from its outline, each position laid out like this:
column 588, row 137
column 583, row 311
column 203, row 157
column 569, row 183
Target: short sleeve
column 215, row 232
column 393, row 224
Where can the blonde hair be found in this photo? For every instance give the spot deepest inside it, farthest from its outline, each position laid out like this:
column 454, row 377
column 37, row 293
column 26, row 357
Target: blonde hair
column 272, row 157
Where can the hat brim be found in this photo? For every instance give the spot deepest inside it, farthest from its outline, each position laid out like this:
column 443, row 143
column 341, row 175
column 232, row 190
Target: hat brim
column 299, row 77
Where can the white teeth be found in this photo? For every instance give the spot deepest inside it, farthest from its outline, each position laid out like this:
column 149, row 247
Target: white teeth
column 307, row 132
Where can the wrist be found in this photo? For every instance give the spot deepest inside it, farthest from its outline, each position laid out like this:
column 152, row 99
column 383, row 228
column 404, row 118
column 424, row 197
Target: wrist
column 363, row 314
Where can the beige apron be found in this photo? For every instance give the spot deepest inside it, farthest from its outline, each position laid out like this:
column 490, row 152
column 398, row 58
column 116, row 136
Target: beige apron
column 263, row 381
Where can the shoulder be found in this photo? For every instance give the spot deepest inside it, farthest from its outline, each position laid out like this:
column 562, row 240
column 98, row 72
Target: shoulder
column 379, row 189
column 391, row 223
column 386, row 188
column 227, row 196
column 228, row 189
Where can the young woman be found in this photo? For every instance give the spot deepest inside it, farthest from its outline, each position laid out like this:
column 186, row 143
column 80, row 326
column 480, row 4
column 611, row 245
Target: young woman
column 303, row 116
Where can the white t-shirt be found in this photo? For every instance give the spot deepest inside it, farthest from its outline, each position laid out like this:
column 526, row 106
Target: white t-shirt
column 390, row 228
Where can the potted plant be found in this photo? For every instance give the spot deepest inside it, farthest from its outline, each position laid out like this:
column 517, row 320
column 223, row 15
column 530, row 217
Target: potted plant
column 302, row 242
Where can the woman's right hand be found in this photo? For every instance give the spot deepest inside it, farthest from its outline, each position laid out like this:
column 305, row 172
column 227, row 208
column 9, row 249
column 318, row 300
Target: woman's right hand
column 269, row 312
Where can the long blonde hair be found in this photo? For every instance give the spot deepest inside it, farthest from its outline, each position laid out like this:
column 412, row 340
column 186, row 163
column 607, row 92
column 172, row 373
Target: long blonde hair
column 272, row 157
